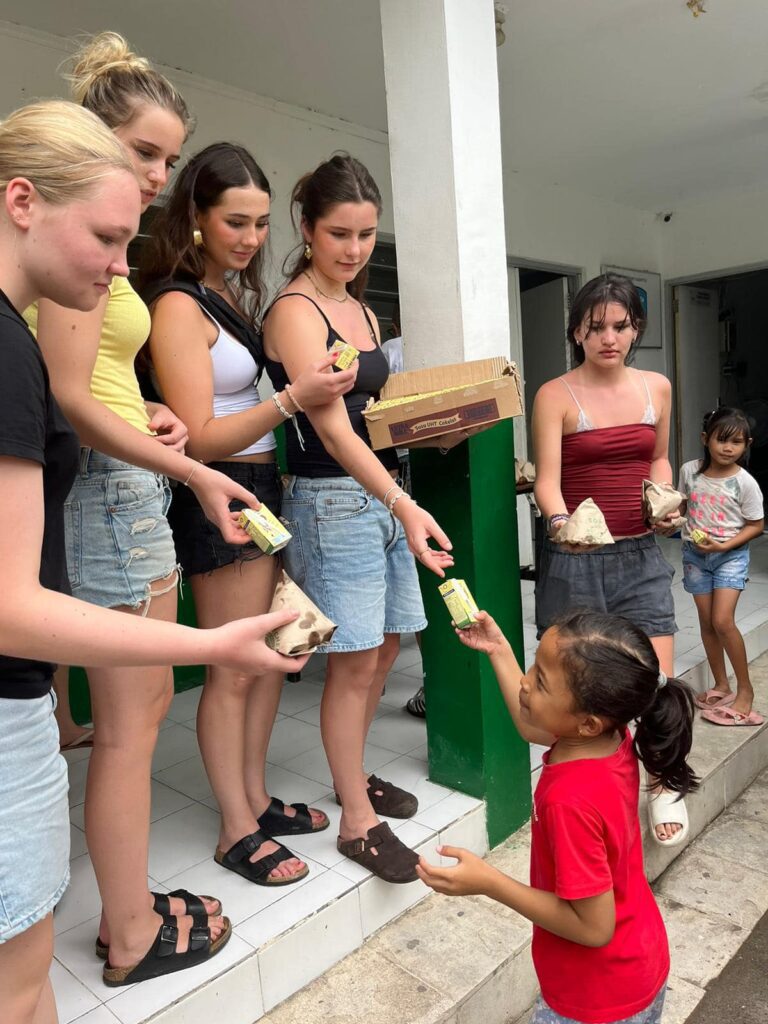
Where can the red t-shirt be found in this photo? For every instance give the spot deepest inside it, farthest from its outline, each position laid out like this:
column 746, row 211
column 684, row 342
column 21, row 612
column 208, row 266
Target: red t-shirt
column 585, row 840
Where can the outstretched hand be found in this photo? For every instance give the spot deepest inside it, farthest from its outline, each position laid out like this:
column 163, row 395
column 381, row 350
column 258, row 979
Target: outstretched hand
column 215, row 491
column 470, row 877
column 483, row 635
column 240, row 645
column 419, row 528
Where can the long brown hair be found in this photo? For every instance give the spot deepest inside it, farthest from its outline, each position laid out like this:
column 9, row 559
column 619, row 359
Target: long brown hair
column 342, row 179
column 171, row 251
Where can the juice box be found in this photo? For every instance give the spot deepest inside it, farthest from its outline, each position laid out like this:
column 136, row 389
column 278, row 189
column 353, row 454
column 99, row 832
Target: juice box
column 347, row 354
column 459, row 602
column 264, row 529
column 697, row 535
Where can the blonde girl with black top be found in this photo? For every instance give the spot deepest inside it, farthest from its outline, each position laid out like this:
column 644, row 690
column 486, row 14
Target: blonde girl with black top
column 120, row 550
column 69, row 204
column 355, row 531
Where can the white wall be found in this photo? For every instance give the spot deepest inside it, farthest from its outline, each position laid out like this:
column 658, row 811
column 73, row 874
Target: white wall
column 286, row 141
column 720, row 234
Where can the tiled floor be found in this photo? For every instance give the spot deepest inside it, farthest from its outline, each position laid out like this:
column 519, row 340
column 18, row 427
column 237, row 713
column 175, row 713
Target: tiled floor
column 183, row 837
column 347, row 903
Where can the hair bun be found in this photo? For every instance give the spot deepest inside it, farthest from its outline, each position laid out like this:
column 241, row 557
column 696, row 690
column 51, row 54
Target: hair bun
column 101, row 55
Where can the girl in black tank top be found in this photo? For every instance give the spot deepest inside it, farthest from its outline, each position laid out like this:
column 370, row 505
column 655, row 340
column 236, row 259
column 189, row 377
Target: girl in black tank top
column 352, row 525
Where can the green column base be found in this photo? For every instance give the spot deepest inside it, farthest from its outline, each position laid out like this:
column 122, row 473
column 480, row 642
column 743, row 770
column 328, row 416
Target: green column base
column 473, row 744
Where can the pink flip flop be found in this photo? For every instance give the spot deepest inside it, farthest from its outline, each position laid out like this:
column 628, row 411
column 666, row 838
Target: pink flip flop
column 726, row 716
column 714, row 699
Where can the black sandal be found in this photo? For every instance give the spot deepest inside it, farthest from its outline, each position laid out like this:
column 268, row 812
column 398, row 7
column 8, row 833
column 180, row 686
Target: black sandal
column 193, row 907
column 237, row 859
column 162, row 957
column 389, row 800
column 393, row 860
column 275, row 822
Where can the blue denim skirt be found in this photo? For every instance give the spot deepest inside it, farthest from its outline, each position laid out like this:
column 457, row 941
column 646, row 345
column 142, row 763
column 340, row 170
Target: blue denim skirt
column 34, row 814
column 117, row 535
column 350, row 555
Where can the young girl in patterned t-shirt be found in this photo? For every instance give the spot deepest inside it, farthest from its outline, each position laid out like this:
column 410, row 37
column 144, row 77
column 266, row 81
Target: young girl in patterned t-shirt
column 724, row 506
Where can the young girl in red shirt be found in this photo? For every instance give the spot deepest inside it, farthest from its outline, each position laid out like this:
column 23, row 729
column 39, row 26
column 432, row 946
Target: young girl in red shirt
column 599, row 945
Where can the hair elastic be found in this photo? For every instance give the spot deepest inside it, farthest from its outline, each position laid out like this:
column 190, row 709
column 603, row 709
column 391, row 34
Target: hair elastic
column 661, row 682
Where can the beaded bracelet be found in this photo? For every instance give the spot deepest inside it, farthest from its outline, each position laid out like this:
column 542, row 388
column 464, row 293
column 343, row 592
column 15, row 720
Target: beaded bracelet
column 281, row 408
column 289, row 391
column 395, row 500
column 394, row 487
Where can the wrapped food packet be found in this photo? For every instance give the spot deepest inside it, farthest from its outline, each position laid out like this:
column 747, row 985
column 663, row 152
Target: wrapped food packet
column 659, row 500
column 586, row 526
column 306, row 633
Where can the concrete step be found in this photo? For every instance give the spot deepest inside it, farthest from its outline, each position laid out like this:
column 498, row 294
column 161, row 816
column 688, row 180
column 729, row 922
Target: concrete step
column 465, row 961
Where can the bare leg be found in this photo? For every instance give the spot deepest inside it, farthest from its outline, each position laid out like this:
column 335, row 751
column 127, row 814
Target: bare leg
column 724, row 601
column 128, row 706
column 664, row 646
column 69, row 731
column 343, row 721
column 236, row 712
column 26, row 996
column 387, row 654
column 712, row 642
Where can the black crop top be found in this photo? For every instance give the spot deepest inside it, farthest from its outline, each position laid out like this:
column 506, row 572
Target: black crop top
column 314, row 461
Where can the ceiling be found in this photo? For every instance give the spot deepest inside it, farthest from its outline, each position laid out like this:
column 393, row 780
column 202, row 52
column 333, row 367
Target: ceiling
column 637, row 101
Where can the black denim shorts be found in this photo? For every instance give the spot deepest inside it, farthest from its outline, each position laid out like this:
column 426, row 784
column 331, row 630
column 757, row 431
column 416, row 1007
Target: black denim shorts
column 199, row 545
column 630, row 578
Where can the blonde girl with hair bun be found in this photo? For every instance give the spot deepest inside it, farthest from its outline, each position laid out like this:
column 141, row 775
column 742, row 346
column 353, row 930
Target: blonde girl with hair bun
column 120, row 551
column 69, row 205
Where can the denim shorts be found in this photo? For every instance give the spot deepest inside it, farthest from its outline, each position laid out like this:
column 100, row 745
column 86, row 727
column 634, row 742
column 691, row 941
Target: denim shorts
column 34, row 814
column 117, row 536
column 630, row 578
column 544, row 1014
column 704, row 572
column 199, row 545
column 351, row 557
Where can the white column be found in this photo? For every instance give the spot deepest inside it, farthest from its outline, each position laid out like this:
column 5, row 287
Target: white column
column 445, row 153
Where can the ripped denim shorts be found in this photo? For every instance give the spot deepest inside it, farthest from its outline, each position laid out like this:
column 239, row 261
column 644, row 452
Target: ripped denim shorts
column 117, row 535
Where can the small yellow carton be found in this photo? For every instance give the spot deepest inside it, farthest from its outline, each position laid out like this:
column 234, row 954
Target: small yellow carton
column 347, row 354
column 264, row 529
column 697, row 535
column 459, row 602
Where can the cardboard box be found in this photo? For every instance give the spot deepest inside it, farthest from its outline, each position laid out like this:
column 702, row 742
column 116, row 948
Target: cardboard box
column 264, row 529
column 459, row 602
column 347, row 354
column 419, row 404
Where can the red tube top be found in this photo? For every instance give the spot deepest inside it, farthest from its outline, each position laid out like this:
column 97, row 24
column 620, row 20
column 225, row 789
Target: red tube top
column 609, row 465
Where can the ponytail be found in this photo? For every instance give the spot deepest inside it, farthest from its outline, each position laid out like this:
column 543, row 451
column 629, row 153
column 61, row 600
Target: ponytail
column 613, row 672
column 664, row 735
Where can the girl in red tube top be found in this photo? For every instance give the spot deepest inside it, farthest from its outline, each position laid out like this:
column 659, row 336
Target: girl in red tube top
column 599, row 431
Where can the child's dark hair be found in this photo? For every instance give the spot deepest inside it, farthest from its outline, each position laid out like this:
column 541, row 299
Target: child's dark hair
column 613, row 672
column 594, row 298
column 342, row 179
column 199, row 185
column 725, row 423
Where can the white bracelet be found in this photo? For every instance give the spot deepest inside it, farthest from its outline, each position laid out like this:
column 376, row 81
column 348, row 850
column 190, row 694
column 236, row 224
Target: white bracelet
column 395, row 500
column 191, row 474
column 281, row 408
column 289, row 391
column 394, row 487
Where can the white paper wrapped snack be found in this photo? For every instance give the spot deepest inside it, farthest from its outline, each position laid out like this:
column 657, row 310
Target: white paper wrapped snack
column 586, row 526
column 659, row 500
column 306, row 633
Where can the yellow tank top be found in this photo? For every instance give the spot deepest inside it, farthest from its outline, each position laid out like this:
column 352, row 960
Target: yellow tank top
column 124, row 330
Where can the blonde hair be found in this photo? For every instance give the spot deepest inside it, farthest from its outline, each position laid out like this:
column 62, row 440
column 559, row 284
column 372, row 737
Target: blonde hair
column 61, row 148
column 107, row 77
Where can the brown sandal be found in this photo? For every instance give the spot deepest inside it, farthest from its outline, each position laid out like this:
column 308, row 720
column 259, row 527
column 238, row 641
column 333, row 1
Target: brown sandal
column 389, row 800
column 393, row 860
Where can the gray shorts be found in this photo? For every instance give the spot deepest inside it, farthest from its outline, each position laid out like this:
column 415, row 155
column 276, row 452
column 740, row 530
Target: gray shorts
column 630, row 578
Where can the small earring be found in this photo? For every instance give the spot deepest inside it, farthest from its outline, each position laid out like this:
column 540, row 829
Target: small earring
column 307, row 252
column 197, row 238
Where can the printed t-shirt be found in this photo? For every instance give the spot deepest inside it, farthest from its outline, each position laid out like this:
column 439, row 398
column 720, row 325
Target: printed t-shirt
column 722, row 506
column 585, row 840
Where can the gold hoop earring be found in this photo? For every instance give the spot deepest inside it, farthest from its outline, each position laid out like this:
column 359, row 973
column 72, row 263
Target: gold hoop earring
column 197, row 238
column 307, row 252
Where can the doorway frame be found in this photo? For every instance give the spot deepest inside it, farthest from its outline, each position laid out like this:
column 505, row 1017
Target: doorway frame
column 673, row 357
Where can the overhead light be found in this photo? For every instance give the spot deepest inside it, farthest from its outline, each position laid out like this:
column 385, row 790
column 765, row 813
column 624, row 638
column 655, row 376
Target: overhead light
column 500, row 12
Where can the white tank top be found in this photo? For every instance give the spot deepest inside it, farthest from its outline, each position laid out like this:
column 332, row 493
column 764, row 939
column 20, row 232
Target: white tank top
column 234, row 384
